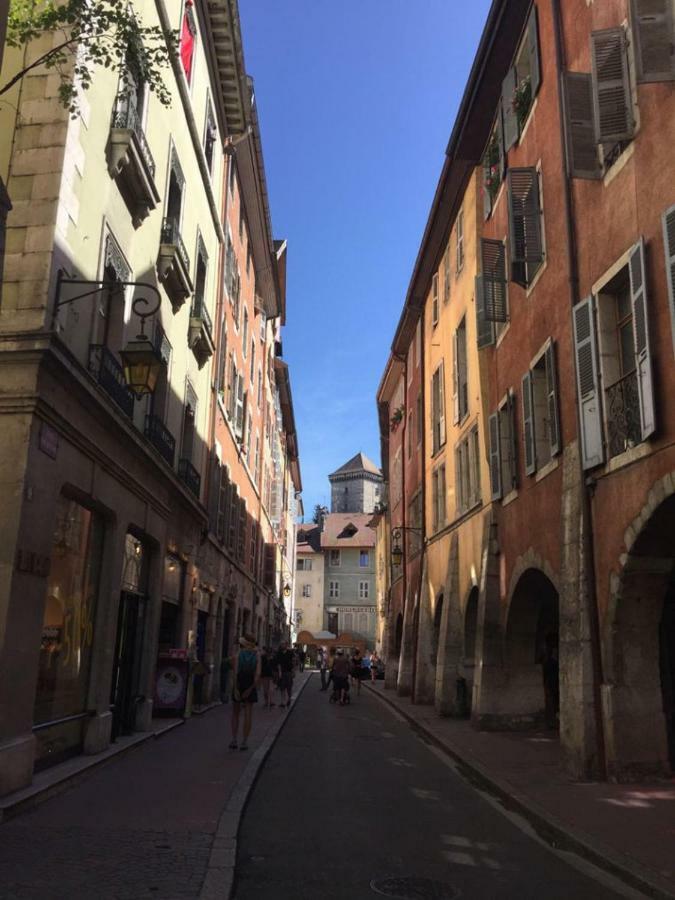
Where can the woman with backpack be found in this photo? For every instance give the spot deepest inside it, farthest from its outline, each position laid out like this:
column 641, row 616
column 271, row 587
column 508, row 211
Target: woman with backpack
column 246, row 677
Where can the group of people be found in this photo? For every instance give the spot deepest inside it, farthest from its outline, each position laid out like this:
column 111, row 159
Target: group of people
column 337, row 669
column 251, row 668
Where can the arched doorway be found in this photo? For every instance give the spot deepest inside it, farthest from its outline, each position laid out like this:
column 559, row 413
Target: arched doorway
column 531, row 653
column 469, row 654
column 640, row 654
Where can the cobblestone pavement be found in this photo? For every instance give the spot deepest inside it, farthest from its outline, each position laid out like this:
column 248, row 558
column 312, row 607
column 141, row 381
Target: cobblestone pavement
column 140, row 827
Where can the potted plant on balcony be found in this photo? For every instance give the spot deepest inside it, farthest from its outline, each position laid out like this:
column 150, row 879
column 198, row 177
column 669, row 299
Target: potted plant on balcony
column 522, row 100
column 492, row 177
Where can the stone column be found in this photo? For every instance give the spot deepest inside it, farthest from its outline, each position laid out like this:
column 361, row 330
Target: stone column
column 406, row 662
column 451, row 639
column 153, row 612
column 425, row 662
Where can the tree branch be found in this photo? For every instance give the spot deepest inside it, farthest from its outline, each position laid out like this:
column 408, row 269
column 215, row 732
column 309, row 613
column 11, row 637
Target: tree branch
column 38, row 62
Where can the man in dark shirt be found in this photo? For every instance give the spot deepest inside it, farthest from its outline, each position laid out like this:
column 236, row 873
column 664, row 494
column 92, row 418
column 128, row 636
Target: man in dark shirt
column 284, row 666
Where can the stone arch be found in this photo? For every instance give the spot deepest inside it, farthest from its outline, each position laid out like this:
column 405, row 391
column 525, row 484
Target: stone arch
column 639, row 644
column 529, row 560
column 531, row 652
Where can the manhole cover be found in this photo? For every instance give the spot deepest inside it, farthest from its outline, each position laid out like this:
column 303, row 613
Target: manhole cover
column 412, row 888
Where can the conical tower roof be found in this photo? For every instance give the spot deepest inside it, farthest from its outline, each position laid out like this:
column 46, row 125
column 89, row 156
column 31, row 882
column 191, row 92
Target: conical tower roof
column 358, row 463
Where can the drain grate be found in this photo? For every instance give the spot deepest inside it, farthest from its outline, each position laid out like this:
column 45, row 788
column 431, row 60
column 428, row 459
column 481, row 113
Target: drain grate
column 411, row 888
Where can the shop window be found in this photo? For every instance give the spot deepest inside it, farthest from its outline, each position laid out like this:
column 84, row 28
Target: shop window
column 67, row 632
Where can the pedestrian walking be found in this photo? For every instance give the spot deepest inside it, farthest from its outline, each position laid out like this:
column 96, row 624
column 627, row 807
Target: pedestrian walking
column 284, row 661
column 341, row 668
column 357, row 670
column 374, row 665
column 244, row 691
column 267, row 676
column 323, row 668
column 331, row 663
column 302, row 658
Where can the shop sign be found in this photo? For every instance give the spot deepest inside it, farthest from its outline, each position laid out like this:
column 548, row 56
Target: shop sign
column 352, row 609
column 171, row 682
column 49, row 440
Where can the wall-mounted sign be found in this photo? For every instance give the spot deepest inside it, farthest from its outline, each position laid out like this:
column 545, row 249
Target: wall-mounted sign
column 171, row 682
column 48, row 440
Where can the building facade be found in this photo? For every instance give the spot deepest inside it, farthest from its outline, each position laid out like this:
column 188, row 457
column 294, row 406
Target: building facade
column 562, row 592
column 134, row 527
column 309, row 579
column 348, row 544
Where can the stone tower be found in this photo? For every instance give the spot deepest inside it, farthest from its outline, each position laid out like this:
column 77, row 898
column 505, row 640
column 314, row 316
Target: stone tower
column 356, row 487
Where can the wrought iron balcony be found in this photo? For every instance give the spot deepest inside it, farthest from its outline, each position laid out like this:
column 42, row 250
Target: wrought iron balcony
column 160, row 437
column 623, row 414
column 200, row 337
column 190, row 476
column 173, row 263
column 110, row 375
column 130, row 161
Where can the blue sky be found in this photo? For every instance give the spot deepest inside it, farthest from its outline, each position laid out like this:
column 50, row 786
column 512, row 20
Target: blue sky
column 356, row 102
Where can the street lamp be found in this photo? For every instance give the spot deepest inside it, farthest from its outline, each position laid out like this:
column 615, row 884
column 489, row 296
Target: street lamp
column 396, row 551
column 287, row 590
column 141, row 360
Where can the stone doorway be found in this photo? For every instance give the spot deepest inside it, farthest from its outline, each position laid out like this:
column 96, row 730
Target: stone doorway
column 531, row 654
column 639, row 689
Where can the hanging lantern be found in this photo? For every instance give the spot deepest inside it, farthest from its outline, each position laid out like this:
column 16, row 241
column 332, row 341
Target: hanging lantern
column 142, row 365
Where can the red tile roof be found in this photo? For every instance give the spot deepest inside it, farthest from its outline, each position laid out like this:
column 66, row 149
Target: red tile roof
column 337, row 531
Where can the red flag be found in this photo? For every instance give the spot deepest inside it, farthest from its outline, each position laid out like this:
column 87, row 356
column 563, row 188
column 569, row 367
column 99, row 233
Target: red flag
column 187, row 41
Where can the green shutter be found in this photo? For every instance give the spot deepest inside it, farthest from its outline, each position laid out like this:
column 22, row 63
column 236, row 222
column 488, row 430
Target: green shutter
column 493, row 266
column 485, row 329
column 552, row 400
column 533, row 49
column 653, row 38
column 611, row 86
column 580, row 140
column 526, row 244
column 528, row 426
column 495, row 457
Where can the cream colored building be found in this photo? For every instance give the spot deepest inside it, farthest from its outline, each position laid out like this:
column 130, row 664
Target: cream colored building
column 457, row 485
column 309, row 579
column 108, row 500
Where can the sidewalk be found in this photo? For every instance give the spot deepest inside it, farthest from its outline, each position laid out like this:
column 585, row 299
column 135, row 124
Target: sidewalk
column 629, row 830
column 148, row 824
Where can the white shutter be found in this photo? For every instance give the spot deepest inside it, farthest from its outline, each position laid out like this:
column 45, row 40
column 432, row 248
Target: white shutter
column 495, row 457
column 588, row 388
column 528, row 426
column 512, row 448
column 669, row 252
column 643, row 361
column 455, row 378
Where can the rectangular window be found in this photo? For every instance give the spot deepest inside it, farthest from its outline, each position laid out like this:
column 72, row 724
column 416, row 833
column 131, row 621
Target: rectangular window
column 521, row 84
column 437, row 410
column 438, row 489
column 263, row 326
column 364, row 589
column 420, row 418
column 418, row 343
column 502, row 451
column 493, row 164
column 334, row 590
column 461, row 374
column 446, row 274
column 526, row 238
column 305, row 565
column 210, row 137
column 334, row 559
column 467, row 471
column 260, row 381
column 188, row 38
column 244, row 335
column 459, row 230
column 364, row 559
column 409, row 434
column 307, row 590
column 256, row 468
column 541, row 429
column 434, row 301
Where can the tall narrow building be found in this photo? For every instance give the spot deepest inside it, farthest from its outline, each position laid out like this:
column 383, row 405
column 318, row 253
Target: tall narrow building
column 356, row 487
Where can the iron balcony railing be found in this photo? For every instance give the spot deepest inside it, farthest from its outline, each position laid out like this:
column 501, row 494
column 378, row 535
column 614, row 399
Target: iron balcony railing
column 125, row 115
column 199, row 311
column 190, row 476
column 623, row 414
column 160, row 437
column 171, row 235
column 110, row 375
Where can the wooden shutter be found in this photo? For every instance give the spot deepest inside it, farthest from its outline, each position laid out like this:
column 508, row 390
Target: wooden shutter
column 509, row 117
column 588, row 387
column 524, row 216
column 434, row 412
column 552, row 401
column 434, row 300
column 611, row 86
column 495, row 457
column 434, row 500
column 653, row 37
column 643, row 360
column 485, row 329
column 441, row 404
column 493, row 265
column 528, row 425
column 455, row 378
column 580, row 140
column 669, row 252
column 533, row 48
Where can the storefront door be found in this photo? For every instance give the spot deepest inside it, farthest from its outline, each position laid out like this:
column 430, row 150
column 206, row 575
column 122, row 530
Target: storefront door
column 126, row 669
